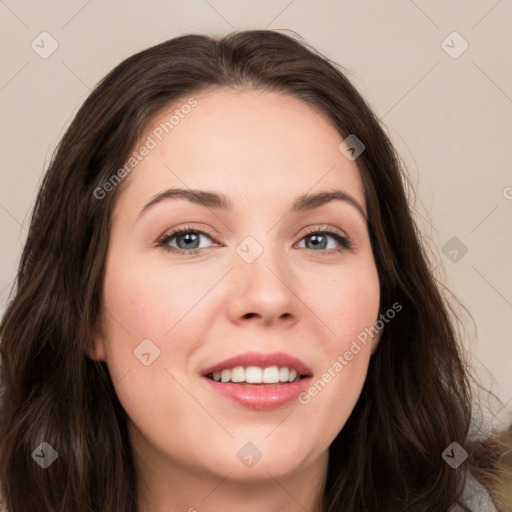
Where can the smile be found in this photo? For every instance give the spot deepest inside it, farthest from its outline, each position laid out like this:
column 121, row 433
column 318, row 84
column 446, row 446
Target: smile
column 258, row 381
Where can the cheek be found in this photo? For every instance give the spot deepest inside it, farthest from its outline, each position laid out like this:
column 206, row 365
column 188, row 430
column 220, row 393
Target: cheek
column 136, row 315
column 150, row 302
column 143, row 312
column 357, row 300
column 346, row 304
column 148, row 310
column 348, row 307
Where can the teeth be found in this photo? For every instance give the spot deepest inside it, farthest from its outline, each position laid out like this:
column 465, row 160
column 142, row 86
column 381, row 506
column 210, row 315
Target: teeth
column 257, row 375
column 237, row 374
column 271, row 374
column 253, row 375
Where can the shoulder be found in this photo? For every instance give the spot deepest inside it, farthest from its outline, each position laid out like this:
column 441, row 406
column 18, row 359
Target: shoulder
column 475, row 497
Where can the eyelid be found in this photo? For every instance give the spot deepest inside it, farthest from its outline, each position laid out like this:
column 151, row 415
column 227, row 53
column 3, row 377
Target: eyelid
column 324, row 228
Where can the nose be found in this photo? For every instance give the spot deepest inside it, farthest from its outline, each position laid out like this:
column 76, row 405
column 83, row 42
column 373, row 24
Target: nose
column 263, row 291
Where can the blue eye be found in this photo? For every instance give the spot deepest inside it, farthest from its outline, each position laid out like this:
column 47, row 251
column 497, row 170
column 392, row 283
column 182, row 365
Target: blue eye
column 188, row 239
column 319, row 239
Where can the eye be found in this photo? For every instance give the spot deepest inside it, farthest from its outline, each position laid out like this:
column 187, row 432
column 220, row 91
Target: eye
column 318, row 238
column 187, row 240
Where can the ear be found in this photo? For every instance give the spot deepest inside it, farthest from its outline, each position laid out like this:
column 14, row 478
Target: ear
column 98, row 351
column 375, row 341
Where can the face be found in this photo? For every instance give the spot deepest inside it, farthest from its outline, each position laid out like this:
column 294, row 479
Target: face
column 292, row 284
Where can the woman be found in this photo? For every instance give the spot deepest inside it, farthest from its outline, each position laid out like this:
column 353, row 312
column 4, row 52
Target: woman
column 301, row 358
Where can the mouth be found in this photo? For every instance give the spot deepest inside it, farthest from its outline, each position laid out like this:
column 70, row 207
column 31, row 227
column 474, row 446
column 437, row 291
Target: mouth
column 259, row 381
column 254, row 368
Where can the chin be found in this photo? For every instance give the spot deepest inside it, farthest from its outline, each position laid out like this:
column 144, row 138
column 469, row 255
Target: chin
column 249, row 461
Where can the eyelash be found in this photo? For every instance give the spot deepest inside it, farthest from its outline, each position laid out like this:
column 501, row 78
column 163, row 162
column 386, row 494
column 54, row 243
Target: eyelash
column 344, row 241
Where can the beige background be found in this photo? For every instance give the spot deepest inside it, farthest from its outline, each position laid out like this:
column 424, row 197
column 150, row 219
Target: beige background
column 450, row 117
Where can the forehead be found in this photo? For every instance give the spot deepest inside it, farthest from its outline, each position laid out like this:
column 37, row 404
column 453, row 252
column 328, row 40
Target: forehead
column 247, row 142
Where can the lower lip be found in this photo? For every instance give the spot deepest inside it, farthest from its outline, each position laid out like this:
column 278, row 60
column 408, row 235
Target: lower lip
column 258, row 396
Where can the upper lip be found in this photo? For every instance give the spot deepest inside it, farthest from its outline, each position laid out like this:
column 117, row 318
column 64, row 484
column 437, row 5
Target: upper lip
column 261, row 360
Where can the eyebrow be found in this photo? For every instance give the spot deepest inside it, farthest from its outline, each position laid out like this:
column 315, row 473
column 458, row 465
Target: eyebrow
column 219, row 201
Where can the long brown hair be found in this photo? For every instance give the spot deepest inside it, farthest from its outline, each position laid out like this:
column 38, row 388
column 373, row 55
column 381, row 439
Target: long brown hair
column 416, row 399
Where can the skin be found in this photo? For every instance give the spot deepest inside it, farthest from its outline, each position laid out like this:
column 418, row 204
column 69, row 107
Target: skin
column 262, row 150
